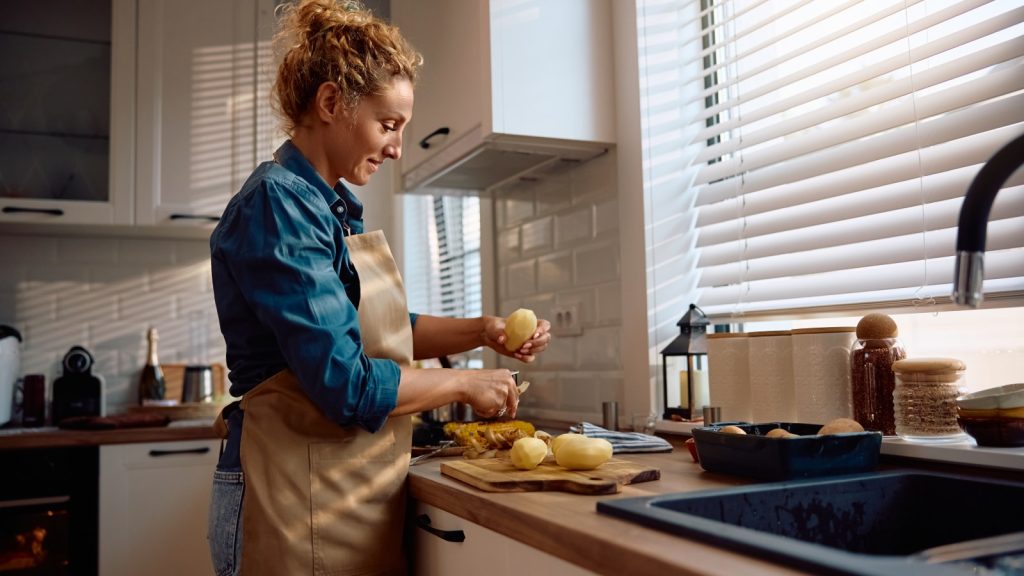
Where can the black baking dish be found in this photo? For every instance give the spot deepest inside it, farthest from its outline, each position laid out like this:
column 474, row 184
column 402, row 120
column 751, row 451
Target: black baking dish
column 806, row 456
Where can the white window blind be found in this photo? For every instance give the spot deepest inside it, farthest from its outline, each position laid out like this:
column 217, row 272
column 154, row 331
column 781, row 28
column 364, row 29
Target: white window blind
column 830, row 143
column 443, row 255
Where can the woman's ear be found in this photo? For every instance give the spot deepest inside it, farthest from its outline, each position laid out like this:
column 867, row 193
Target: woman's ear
column 327, row 102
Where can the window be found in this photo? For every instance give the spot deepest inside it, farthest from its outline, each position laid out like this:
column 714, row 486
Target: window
column 813, row 155
column 443, row 258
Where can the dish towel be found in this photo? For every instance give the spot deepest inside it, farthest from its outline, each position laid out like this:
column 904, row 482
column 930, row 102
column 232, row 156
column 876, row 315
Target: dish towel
column 623, row 442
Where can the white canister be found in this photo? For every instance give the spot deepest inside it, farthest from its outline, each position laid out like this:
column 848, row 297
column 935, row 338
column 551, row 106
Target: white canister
column 729, row 375
column 821, row 373
column 772, row 398
column 10, row 367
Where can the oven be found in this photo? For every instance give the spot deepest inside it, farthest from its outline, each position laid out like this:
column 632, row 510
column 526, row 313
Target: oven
column 48, row 511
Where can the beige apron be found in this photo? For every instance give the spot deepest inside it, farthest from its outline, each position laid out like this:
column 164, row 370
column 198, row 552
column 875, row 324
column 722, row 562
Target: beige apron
column 320, row 498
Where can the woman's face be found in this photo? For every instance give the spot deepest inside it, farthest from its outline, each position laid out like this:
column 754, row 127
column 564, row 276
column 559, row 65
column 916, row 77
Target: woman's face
column 363, row 137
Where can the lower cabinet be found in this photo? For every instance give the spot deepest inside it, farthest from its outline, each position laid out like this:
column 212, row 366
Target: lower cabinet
column 481, row 550
column 154, row 500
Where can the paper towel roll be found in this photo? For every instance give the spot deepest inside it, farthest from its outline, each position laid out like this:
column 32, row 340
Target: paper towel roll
column 729, row 375
column 821, row 373
column 772, row 397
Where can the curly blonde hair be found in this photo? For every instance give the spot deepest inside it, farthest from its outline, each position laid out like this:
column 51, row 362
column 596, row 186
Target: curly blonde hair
column 336, row 41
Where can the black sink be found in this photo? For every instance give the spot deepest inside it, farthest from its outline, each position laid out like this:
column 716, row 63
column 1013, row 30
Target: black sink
column 859, row 524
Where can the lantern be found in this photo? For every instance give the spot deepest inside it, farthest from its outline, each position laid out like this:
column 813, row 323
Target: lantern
column 687, row 357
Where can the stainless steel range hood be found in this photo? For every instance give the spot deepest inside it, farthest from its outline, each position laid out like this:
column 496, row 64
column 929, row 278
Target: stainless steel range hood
column 474, row 164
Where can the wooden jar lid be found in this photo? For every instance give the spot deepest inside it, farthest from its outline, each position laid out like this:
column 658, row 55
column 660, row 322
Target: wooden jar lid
column 929, row 369
column 877, row 327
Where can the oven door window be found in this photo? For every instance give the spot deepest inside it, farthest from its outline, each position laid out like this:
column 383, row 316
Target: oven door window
column 35, row 536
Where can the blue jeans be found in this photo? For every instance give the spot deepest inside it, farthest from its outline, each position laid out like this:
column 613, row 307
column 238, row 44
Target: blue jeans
column 225, row 522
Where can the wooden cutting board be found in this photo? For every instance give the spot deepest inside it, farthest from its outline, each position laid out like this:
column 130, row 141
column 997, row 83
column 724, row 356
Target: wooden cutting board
column 499, row 475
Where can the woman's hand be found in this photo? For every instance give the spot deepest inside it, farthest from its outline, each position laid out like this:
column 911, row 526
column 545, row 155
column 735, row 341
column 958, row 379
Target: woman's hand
column 491, row 393
column 494, row 337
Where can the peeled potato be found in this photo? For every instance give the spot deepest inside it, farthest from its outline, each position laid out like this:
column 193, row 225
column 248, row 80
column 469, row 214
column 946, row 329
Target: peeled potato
column 519, row 327
column 840, row 426
column 561, row 439
column 584, row 453
column 528, row 453
column 731, row 430
column 779, row 433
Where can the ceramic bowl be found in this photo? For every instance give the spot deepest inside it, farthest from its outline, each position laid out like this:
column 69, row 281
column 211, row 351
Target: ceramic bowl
column 994, row 417
column 1000, row 397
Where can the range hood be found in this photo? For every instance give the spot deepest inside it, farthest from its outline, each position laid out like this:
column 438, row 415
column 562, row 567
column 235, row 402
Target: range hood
column 474, row 164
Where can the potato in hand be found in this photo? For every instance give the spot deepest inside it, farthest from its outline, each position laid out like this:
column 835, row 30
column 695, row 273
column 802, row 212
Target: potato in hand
column 519, row 327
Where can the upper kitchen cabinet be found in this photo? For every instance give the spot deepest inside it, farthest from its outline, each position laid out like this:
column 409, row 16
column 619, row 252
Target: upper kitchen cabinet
column 67, row 107
column 507, row 86
column 202, row 95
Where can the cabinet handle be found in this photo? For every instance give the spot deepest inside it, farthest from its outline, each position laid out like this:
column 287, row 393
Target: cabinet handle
column 423, row 521
column 159, row 453
column 195, row 217
column 18, row 209
column 443, row 130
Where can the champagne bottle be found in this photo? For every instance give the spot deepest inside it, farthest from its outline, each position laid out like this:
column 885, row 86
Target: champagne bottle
column 151, row 382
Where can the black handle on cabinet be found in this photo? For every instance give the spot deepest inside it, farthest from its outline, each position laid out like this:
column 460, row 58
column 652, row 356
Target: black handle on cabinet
column 423, row 521
column 443, row 130
column 195, row 217
column 159, row 453
column 20, row 210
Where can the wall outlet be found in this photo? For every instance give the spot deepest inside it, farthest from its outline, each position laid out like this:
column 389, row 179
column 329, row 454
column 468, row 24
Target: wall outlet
column 565, row 320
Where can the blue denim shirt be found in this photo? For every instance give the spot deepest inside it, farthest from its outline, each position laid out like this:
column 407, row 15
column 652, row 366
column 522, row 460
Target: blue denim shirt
column 286, row 291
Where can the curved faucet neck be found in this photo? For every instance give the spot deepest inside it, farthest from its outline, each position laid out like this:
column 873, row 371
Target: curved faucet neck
column 973, row 223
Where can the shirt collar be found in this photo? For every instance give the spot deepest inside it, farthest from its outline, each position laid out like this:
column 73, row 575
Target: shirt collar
column 344, row 204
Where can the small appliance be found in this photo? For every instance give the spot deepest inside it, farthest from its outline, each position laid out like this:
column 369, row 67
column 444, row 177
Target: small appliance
column 10, row 366
column 77, row 392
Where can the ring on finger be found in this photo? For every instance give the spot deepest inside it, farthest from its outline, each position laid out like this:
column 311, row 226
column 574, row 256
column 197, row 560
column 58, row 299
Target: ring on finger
column 502, row 411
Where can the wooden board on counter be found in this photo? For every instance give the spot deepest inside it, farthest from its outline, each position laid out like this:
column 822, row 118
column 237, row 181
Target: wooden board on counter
column 499, row 475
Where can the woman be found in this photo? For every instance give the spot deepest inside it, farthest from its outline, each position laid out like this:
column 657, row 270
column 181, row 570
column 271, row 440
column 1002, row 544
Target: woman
column 319, row 341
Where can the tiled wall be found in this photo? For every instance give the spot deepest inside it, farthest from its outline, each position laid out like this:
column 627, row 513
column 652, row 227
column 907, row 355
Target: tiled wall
column 557, row 244
column 103, row 294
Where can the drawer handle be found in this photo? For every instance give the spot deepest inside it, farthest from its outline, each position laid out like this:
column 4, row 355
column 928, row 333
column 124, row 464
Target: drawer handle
column 195, row 217
column 443, row 130
column 20, row 210
column 159, row 453
column 423, row 521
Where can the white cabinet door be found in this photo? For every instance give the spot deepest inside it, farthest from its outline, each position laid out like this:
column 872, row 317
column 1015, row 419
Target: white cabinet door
column 481, row 550
column 196, row 115
column 66, row 137
column 153, row 507
column 508, row 68
column 453, row 90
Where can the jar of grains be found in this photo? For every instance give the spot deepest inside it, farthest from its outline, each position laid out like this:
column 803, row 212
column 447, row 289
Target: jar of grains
column 872, row 381
column 925, row 399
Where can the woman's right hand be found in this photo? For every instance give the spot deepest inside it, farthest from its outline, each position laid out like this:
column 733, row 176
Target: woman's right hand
column 491, row 393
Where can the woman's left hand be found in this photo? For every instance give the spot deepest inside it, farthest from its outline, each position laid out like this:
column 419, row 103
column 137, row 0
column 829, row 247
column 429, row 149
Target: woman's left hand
column 494, row 337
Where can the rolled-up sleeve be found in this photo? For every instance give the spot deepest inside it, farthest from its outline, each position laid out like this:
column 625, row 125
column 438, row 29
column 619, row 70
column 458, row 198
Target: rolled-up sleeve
column 283, row 249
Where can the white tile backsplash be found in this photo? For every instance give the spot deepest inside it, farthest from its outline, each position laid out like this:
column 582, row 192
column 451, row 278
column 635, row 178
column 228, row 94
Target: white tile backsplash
column 557, row 245
column 554, row 272
column 103, row 293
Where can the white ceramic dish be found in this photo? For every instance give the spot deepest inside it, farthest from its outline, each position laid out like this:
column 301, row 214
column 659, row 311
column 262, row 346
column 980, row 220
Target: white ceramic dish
column 998, row 398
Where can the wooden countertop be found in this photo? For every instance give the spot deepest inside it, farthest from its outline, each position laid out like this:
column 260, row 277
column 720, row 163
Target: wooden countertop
column 16, row 439
column 568, row 525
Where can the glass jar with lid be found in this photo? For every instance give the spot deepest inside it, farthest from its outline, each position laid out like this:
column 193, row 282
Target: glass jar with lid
column 925, row 399
column 872, row 381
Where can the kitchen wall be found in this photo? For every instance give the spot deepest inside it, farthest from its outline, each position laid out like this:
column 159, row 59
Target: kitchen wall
column 103, row 293
column 557, row 245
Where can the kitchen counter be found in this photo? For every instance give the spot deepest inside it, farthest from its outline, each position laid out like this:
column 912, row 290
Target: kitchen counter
column 51, row 437
column 568, row 525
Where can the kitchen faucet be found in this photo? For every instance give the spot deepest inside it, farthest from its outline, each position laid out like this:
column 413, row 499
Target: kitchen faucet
column 970, row 239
